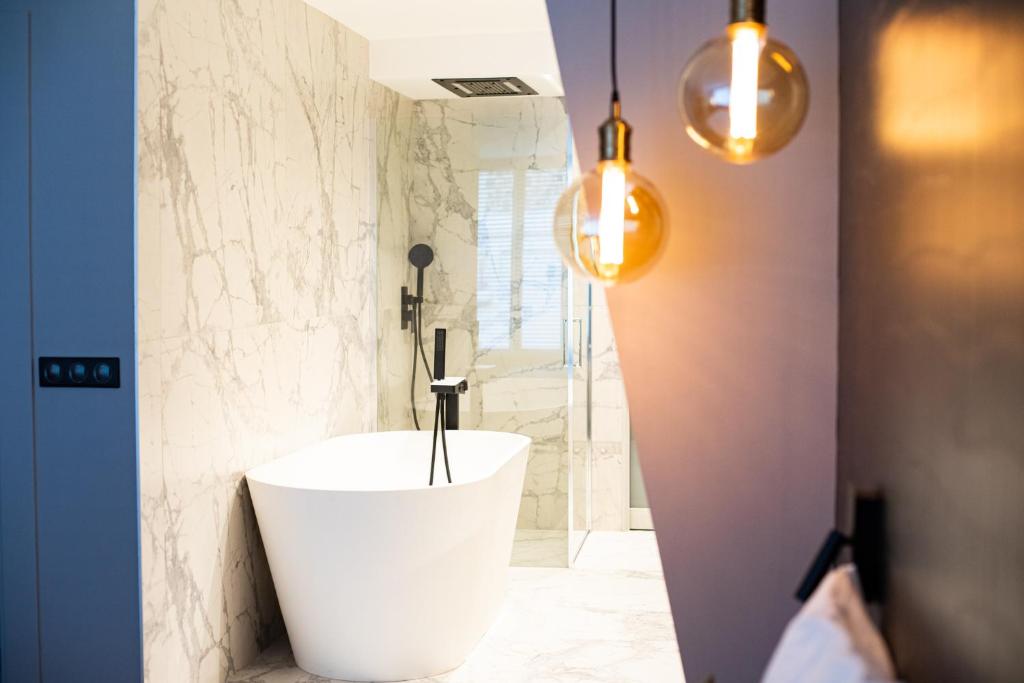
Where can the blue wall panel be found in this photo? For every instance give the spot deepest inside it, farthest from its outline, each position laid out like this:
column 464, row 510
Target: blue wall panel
column 83, row 282
column 19, row 644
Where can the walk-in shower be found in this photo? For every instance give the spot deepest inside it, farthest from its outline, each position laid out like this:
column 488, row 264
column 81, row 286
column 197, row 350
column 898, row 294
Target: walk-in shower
column 465, row 234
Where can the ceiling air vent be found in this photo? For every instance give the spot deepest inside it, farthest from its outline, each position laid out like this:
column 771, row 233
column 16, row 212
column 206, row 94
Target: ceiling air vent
column 485, row 87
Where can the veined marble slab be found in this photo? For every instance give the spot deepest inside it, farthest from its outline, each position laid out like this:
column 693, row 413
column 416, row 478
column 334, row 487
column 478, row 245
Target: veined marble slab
column 257, row 282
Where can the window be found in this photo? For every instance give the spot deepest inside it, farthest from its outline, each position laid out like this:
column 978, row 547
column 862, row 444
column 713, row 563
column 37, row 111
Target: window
column 514, row 245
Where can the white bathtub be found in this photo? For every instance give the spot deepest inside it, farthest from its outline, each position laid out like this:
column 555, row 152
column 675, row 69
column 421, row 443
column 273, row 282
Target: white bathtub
column 380, row 577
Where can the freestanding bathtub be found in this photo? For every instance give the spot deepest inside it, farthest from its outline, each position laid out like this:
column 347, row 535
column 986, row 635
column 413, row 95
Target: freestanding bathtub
column 381, row 577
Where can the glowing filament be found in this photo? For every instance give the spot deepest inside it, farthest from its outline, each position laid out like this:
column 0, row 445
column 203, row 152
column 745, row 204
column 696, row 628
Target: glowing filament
column 746, row 53
column 611, row 221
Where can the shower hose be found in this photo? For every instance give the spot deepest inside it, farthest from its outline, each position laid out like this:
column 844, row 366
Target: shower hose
column 417, row 349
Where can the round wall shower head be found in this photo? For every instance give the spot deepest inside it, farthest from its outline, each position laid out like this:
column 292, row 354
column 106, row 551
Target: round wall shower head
column 421, row 256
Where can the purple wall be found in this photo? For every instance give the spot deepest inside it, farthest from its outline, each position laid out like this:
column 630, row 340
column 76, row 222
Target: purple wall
column 729, row 346
column 932, row 354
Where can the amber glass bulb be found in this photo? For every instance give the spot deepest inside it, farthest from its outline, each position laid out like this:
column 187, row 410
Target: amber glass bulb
column 743, row 95
column 610, row 224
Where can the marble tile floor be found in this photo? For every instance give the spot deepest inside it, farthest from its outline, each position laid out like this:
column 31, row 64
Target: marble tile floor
column 607, row 621
column 540, row 548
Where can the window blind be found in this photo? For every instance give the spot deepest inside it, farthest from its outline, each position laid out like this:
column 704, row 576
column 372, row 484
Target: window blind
column 495, row 222
column 541, row 291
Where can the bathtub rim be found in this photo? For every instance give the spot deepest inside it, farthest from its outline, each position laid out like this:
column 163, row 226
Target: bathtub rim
column 252, row 475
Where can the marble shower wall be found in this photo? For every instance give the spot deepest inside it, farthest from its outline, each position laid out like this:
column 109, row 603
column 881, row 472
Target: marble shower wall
column 393, row 143
column 257, row 284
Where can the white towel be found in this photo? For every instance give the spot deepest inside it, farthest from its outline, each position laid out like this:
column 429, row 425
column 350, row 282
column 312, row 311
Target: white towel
column 832, row 639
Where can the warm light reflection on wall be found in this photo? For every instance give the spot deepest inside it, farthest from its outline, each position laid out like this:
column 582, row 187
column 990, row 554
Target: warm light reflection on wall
column 958, row 233
column 950, row 105
column 934, row 74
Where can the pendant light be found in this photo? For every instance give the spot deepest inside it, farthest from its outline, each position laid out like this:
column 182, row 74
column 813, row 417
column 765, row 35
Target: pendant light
column 610, row 224
column 743, row 95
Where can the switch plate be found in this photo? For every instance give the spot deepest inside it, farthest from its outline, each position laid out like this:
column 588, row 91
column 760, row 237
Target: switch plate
column 79, row 372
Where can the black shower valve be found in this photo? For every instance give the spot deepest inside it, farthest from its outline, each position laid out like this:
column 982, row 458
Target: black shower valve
column 409, row 302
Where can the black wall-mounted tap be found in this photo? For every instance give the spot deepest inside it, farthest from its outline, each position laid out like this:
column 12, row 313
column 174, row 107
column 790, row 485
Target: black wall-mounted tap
column 447, row 390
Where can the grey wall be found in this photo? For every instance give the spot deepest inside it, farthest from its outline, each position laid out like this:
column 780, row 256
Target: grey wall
column 79, row 202
column 728, row 347
column 932, row 326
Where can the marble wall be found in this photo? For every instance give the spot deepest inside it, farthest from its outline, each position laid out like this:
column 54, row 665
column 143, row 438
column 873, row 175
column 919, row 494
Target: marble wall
column 392, row 133
column 257, row 282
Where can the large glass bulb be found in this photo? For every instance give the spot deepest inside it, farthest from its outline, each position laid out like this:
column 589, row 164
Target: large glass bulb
column 610, row 224
column 743, row 95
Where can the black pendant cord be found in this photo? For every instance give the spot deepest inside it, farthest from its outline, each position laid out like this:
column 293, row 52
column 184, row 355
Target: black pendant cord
column 615, row 61
column 614, row 133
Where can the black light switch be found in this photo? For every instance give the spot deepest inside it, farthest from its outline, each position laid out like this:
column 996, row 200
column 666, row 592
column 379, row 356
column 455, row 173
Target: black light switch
column 52, row 372
column 77, row 372
column 95, row 373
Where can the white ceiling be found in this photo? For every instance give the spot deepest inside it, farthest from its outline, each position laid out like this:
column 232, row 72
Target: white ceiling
column 388, row 19
column 414, row 41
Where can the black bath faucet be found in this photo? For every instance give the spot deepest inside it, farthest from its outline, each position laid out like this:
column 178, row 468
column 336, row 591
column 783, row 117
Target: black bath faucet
column 446, row 412
column 447, row 388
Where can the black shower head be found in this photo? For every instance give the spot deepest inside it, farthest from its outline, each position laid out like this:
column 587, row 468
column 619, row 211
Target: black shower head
column 421, row 256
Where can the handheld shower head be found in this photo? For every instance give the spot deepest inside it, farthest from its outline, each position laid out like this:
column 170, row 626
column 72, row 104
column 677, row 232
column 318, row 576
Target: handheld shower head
column 420, row 256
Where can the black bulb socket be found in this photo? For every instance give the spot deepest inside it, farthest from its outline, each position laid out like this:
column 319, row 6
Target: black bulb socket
column 615, row 137
column 746, row 10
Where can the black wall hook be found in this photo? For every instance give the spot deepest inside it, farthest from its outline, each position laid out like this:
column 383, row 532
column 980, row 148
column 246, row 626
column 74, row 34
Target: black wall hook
column 869, row 551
